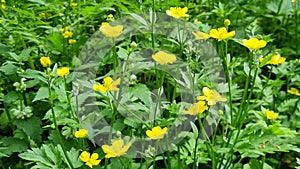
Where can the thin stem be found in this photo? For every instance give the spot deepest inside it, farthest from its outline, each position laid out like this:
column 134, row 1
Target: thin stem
column 72, row 113
column 56, row 127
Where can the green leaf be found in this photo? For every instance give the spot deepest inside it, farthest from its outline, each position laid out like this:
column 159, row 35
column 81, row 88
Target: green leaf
column 42, row 93
column 13, row 145
column 32, row 127
column 11, row 97
column 3, row 48
column 56, row 41
column 9, row 68
column 142, row 92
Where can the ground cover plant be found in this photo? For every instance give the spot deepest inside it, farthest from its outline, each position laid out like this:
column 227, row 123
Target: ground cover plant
column 149, row 84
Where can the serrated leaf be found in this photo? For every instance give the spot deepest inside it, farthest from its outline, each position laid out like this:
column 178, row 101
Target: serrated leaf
column 32, row 127
column 42, row 93
column 13, row 145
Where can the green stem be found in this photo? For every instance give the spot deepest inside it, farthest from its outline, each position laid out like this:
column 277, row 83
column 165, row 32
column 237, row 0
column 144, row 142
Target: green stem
column 266, row 84
column 72, row 113
column 152, row 24
column 279, row 7
column 239, row 121
column 56, row 127
column 115, row 59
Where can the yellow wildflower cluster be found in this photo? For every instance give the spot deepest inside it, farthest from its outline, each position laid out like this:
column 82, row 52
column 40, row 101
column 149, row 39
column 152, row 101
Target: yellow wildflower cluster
column 117, row 149
column 81, row 133
column 90, row 160
column 209, row 98
column 219, row 34
column 66, row 33
column 177, row 12
column 156, row 133
column 271, row 115
column 294, row 91
column 164, row 58
column 45, row 61
column 111, row 31
column 63, row 72
column 108, row 85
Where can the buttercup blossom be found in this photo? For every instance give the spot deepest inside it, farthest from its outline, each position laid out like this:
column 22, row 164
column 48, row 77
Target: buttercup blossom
column 45, row 61
column 156, row 133
column 201, row 35
column 62, row 72
column 3, row 1
column 81, row 133
column 66, row 33
column 271, row 115
column 276, row 59
column 211, row 96
column 196, row 108
column 3, row 7
column 254, row 43
column 294, row 91
column 89, row 160
column 111, row 31
column 163, row 58
column 227, row 22
column 72, row 41
column 108, row 85
column 73, row 4
column 177, row 12
column 116, row 149
column 221, row 33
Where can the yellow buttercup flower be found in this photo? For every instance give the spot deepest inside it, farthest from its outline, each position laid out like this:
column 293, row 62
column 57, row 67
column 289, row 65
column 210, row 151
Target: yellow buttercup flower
column 196, row 108
column 72, row 41
column 62, row 72
column 45, row 61
column 294, row 91
column 116, row 149
column 221, row 33
column 111, row 31
column 81, row 133
column 66, row 33
column 177, row 12
column 163, row 58
column 89, row 160
column 201, row 35
column 156, row 133
column 293, row 1
column 276, row 59
column 108, row 85
column 254, row 43
column 227, row 22
column 3, row 7
column 211, row 96
column 271, row 115
column 3, row 1
column 73, row 4
column 42, row 15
